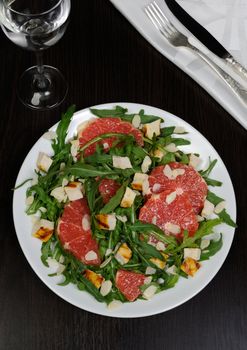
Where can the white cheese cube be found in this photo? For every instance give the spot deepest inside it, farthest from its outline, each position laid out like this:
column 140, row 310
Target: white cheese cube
column 138, row 181
column 121, row 162
column 44, row 162
column 106, row 221
column 74, row 191
column 59, row 194
column 152, row 129
column 123, row 254
column 128, row 198
column 194, row 253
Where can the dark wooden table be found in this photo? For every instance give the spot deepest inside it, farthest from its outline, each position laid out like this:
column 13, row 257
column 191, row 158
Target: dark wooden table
column 104, row 59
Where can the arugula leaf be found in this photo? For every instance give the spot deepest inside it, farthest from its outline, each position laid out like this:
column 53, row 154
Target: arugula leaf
column 92, row 289
column 212, row 182
column 149, row 250
column 223, row 214
column 91, row 189
column 225, row 217
column 105, row 136
column 213, row 198
column 167, row 131
column 180, row 141
column 168, row 158
column 120, row 112
column 86, row 170
column 154, row 230
column 115, row 200
column 206, row 227
column 212, row 249
column 105, row 113
column 170, row 281
column 207, row 171
column 59, row 143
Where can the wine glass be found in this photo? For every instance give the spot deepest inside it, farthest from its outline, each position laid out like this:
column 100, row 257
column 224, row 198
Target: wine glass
column 36, row 25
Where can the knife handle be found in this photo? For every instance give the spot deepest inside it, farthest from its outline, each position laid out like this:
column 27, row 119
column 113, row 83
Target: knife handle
column 237, row 88
column 238, row 68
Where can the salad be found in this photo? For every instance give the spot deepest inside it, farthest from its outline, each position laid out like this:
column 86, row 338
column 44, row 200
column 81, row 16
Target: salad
column 121, row 210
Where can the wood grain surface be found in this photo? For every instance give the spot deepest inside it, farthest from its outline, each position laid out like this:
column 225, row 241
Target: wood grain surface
column 104, row 59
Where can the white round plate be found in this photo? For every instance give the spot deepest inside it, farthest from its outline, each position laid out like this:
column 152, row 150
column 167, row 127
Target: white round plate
column 185, row 289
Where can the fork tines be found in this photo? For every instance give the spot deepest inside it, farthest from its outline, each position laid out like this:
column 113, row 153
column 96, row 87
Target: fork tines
column 158, row 18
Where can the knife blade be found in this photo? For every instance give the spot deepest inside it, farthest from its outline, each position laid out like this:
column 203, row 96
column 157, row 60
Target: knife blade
column 205, row 37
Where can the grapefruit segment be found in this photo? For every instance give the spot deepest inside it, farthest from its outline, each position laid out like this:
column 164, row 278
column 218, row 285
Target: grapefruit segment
column 190, row 182
column 128, row 283
column 108, row 189
column 98, row 127
column 75, row 233
column 172, row 218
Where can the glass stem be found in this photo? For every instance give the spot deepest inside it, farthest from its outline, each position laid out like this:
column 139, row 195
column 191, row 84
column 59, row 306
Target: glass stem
column 41, row 79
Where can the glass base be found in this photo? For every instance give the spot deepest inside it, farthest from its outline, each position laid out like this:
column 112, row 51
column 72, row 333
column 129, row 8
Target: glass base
column 42, row 91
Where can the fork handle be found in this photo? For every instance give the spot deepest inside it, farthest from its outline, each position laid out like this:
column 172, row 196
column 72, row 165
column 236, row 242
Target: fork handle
column 237, row 88
column 238, row 68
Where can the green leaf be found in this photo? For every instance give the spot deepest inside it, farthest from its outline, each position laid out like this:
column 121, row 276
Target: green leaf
column 92, row 289
column 225, row 217
column 206, row 227
column 149, row 250
column 180, row 141
column 206, row 172
column 212, row 249
column 170, row 281
column 91, row 189
column 167, row 131
column 211, row 197
column 168, row 158
column 212, row 182
column 105, row 136
column 59, row 143
column 86, row 170
column 154, row 230
column 115, row 200
column 105, row 113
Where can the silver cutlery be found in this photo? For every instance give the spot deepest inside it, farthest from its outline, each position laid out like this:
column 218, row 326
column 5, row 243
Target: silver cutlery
column 178, row 39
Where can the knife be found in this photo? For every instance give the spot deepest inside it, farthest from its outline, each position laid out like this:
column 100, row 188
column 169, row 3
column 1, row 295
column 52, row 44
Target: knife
column 205, row 37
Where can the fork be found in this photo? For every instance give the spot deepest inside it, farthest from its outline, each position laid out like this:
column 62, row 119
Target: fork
column 178, row 39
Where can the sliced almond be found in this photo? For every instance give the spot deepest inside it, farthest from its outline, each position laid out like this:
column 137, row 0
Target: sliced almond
column 136, row 121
